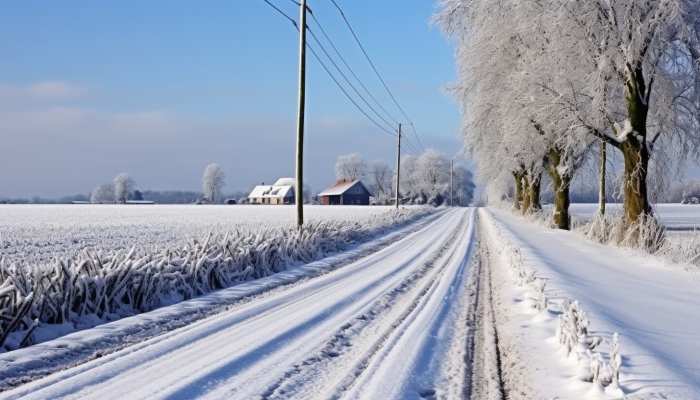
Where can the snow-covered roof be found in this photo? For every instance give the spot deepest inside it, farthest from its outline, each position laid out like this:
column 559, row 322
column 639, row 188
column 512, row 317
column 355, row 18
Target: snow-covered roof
column 139, row 202
column 285, row 182
column 342, row 186
column 272, row 191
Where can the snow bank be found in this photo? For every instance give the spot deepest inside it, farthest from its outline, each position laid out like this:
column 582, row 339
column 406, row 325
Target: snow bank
column 652, row 307
column 571, row 334
column 41, row 301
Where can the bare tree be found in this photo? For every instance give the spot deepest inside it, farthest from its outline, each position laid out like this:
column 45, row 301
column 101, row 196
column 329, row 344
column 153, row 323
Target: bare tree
column 350, row 167
column 380, row 177
column 213, row 182
column 124, row 186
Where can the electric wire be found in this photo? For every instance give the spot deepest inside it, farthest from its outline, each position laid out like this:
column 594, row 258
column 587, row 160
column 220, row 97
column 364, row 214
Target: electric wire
column 376, row 72
column 409, row 144
column 282, row 12
column 346, row 93
column 330, row 74
column 350, row 69
column 346, row 79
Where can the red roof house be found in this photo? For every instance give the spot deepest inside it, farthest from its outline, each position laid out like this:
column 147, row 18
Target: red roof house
column 346, row 192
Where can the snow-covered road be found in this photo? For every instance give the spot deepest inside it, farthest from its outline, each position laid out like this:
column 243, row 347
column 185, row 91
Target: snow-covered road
column 390, row 325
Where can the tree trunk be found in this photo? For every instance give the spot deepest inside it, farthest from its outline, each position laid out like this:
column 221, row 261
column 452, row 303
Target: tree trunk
column 562, row 180
column 535, row 188
column 601, row 192
column 636, row 200
column 635, row 151
column 525, row 193
column 518, row 189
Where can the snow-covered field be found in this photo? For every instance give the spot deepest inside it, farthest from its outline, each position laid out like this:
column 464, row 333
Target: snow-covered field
column 39, row 232
column 673, row 216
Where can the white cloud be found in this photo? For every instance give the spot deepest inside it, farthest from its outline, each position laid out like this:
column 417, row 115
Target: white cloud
column 44, row 91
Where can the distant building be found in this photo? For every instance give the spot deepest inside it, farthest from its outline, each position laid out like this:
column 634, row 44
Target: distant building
column 78, row 202
column 282, row 192
column 346, row 192
column 139, row 202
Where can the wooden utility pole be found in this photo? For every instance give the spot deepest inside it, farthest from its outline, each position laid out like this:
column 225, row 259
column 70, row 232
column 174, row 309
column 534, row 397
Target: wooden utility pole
column 452, row 178
column 298, row 192
column 601, row 194
column 398, row 168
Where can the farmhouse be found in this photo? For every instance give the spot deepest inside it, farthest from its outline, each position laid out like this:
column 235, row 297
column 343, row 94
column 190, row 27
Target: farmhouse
column 282, row 192
column 346, row 192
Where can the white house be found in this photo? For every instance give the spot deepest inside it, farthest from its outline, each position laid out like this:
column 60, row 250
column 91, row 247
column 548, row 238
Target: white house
column 282, row 192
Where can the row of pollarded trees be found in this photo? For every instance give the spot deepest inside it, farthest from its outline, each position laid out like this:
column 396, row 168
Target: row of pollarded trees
column 124, row 186
column 425, row 179
column 542, row 83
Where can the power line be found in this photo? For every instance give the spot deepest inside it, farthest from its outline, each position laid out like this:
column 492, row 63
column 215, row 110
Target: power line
column 416, row 134
column 350, row 69
column 375, row 70
column 410, row 145
column 346, row 79
column 329, row 72
column 282, row 12
column 346, row 93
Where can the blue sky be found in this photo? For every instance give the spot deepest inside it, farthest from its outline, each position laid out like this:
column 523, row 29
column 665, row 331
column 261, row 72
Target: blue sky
column 160, row 89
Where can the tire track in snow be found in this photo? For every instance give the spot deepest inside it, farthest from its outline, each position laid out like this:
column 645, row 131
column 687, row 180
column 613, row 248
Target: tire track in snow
column 246, row 350
column 412, row 361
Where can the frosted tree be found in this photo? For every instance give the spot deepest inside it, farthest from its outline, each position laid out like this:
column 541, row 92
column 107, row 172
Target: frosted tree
column 124, row 186
column 213, row 182
column 540, row 82
column 380, row 178
column 463, row 191
column 425, row 179
column 103, row 194
column 433, row 170
column 350, row 167
column 647, row 83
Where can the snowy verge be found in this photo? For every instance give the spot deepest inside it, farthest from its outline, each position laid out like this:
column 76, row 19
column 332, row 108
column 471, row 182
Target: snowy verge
column 576, row 349
column 650, row 235
column 27, row 364
column 651, row 307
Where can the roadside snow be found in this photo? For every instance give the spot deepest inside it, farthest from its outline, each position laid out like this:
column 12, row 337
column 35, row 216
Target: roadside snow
column 654, row 309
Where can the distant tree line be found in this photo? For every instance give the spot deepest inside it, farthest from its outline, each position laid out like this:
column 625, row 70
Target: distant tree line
column 424, row 179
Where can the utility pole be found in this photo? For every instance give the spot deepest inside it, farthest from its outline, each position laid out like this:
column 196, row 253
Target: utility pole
column 398, row 169
column 601, row 194
column 298, row 190
column 452, row 179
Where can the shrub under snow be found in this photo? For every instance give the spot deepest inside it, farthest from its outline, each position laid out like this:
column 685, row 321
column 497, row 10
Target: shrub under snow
column 94, row 287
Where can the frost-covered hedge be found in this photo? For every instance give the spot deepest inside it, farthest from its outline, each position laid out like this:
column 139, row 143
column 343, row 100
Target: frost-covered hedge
column 95, row 287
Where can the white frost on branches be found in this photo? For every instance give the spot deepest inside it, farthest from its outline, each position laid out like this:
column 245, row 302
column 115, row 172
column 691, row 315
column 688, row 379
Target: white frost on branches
column 350, row 167
column 124, row 186
column 538, row 82
column 213, row 182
